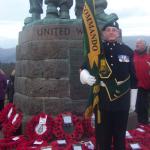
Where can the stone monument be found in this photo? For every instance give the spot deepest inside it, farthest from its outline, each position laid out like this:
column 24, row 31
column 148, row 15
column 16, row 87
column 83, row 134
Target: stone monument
column 49, row 55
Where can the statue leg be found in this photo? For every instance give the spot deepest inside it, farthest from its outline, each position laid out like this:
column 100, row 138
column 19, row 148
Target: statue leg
column 35, row 10
column 65, row 5
column 100, row 6
column 79, row 8
column 51, row 11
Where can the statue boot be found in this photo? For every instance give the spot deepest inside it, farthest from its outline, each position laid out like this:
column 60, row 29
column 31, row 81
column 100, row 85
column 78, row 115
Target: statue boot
column 65, row 6
column 52, row 11
column 101, row 16
column 35, row 17
column 78, row 8
column 106, row 18
column 35, row 11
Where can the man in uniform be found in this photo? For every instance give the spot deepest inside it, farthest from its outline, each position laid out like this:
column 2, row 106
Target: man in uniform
column 114, row 93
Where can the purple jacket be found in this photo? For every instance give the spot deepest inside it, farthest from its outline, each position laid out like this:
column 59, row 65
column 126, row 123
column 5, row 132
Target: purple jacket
column 3, row 86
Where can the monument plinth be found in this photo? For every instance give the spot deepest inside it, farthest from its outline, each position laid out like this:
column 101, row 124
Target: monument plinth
column 47, row 69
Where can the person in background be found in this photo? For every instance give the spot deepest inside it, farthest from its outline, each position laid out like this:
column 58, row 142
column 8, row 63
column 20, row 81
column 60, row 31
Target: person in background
column 10, row 87
column 114, row 109
column 142, row 68
column 3, row 87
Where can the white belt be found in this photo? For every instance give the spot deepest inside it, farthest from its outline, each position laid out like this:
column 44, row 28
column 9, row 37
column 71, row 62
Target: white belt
column 104, row 85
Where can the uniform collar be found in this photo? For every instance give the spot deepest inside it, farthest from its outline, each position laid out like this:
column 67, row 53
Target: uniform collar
column 112, row 44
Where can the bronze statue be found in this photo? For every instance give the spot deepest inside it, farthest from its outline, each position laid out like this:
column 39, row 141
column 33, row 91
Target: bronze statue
column 52, row 12
column 100, row 6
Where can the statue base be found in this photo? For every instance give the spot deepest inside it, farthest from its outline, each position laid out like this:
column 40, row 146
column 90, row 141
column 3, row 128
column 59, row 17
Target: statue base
column 47, row 69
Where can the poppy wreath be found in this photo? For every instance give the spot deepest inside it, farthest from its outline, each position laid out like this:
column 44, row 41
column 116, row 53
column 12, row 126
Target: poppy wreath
column 138, row 133
column 88, row 125
column 145, row 138
column 93, row 140
column 14, row 122
column 142, row 147
column 140, row 136
column 36, row 130
column 6, row 113
column 56, row 145
column 82, row 146
column 146, row 128
column 32, row 145
column 61, row 133
column 88, row 144
column 68, row 146
column 11, row 143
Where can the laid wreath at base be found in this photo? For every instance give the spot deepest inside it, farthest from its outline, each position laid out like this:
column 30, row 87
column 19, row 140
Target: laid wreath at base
column 39, row 127
column 11, row 126
column 11, row 143
column 32, row 145
column 68, row 126
column 7, row 112
column 64, row 145
column 60, row 145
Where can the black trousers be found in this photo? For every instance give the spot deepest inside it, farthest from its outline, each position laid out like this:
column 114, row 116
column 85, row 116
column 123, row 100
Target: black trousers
column 1, row 104
column 111, row 132
column 142, row 105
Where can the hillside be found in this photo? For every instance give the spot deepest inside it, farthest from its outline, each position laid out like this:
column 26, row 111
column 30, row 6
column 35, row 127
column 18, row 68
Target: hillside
column 130, row 40
column 7, row 55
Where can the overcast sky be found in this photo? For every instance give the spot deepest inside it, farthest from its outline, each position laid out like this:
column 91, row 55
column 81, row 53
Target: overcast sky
column 134, row 16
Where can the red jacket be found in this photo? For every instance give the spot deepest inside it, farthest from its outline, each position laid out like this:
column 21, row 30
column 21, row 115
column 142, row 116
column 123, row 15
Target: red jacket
column 142, row 68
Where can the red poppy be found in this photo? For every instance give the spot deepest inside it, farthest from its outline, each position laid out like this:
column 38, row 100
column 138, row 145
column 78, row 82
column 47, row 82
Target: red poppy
column 70, row 132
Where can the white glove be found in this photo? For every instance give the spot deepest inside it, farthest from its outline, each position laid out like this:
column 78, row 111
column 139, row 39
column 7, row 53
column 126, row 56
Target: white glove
column 133, row 97
column 86, row 78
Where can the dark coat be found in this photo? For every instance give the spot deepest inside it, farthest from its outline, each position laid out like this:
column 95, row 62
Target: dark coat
column 10, row 88
column 3, row 86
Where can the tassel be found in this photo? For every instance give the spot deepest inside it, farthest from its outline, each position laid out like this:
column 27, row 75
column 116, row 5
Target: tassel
column 103, row 65
column 98, row 115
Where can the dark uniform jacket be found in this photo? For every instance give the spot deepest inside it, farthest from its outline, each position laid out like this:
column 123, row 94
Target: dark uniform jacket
column 120, row 59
